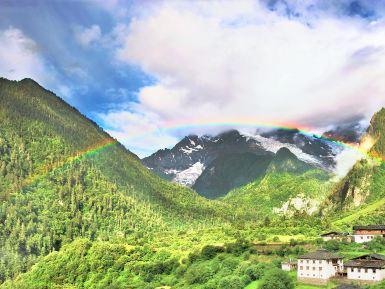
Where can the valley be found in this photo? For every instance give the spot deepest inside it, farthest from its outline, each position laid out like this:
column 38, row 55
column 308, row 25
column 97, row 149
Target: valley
column 79, row 210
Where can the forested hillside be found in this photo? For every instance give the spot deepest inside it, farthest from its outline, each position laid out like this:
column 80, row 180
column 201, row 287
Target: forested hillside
column 62, row 177
column 290, row 187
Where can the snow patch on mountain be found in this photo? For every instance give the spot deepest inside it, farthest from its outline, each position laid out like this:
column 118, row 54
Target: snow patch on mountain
column 170, row 172
column 273, row 145
column 188, row 150
column 189, row 176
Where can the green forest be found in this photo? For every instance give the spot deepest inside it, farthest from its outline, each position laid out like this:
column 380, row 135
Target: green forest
column 78, row 210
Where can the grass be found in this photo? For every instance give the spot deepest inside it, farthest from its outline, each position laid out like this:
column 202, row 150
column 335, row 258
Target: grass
column 370, row 208
column 253, row 285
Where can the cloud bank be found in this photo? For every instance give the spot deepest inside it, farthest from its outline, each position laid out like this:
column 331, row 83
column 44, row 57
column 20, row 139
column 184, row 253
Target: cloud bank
column 237, row 60
column 19, row 56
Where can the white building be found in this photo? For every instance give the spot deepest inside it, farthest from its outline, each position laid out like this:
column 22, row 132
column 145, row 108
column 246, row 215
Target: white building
column 289, row 265
column 369, row 268
column 363, row 234
column 333, row 236
column 317, row 267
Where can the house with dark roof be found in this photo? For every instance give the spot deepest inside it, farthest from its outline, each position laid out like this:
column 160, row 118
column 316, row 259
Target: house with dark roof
column 368, row 268
column 319, row 266
column 363, row 234
column 334, row 236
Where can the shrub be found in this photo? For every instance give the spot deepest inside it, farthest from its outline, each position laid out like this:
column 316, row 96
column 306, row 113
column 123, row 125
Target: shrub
column 277, row 279
column 261, row 237
column 209, row 251
column 377, row 244
column 256, row 272
column 293, row 242
column 276, row 239
column 198, row 273
column 231, row 282
column 379, row 285
column 332, row 245
column 240, row 246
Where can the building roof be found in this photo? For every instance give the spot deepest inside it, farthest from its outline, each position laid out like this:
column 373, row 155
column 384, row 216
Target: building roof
column 321, row 254
column 367, row 261
column 331, row 233
column 369, row 227
column 291, row 262
column 348, row 286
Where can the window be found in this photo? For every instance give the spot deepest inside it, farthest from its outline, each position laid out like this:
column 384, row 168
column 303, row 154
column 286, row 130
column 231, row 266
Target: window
column 374, row 271
column 313, row 268
column 359, row 270
column 362, row 238
column 320, row 268
column 313, row 261
column 300, row 267
column 366, row 270
column 307, row 261
column 307, row 267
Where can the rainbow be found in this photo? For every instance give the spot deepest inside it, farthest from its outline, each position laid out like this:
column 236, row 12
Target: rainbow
column 363, row 149
column 79, row 155
column 168, row 127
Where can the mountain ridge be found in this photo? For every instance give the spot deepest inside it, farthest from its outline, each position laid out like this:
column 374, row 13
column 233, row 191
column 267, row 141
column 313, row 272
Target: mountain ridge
column 205, row 163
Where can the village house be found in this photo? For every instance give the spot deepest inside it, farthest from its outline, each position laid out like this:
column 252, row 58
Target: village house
column 334, row 236
column 289, row 265
column 367, row 268
column 363, row 234
column 319, row 266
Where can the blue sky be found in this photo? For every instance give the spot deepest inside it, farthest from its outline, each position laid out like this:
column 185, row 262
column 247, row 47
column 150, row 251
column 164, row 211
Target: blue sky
column 88, row 71
column 150, row 72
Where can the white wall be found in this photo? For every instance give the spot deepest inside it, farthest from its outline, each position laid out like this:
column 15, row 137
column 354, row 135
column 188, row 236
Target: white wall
column 366, row 274
column 286, row 267
column 320, row 269
column 327, row 238
column 363, row 238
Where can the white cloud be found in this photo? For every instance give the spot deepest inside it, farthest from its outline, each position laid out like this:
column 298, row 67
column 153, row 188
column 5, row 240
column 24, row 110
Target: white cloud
column 137, row 131
column 86, row 36
column 235, row 61
column 19, row 57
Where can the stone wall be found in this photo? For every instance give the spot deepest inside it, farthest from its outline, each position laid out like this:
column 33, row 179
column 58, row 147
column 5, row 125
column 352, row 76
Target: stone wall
column 313, row 281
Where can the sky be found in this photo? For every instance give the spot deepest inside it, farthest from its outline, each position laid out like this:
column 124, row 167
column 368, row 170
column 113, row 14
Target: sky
column 151, row 72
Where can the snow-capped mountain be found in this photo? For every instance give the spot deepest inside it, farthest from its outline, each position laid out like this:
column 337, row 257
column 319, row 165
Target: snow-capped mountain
column 220, row 163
